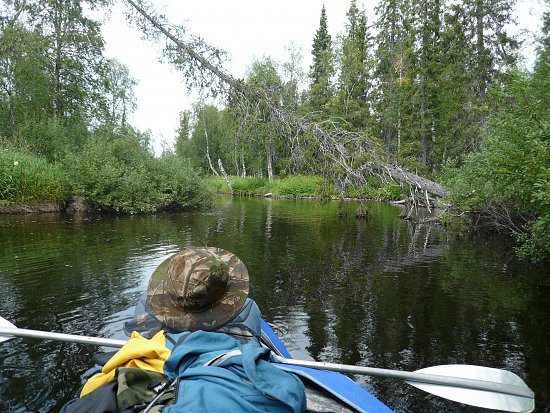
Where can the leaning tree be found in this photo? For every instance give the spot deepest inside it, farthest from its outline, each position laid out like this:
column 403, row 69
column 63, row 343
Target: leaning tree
column 348, row 158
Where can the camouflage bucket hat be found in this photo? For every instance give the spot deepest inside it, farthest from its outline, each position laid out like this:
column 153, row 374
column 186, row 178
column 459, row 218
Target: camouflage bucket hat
column 198, row 289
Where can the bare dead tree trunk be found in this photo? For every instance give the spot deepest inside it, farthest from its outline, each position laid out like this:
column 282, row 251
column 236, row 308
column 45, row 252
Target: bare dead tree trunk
column 269, row 164
column 224, row 174
column 208, row 154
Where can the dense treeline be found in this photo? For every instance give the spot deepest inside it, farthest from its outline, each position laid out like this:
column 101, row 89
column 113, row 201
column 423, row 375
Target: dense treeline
column 64, row 113
column 437, row 84
column 416, row 78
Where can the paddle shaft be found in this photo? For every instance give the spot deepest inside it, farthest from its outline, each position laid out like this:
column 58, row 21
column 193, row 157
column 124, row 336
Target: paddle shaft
column 342, row 368
column 414, row 377
column 46, row 335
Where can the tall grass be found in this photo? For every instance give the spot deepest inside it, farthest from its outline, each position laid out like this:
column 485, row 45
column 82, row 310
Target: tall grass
column 296, row 186
column 301, row 186
column 29, row 179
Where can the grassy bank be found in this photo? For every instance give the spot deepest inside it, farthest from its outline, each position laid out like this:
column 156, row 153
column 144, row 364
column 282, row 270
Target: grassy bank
column 296, row 186
column 118, row 176
column 299, row 186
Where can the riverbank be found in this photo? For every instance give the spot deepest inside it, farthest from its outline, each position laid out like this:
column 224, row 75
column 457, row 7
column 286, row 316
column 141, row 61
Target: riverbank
column 291, row 187
column 76, row 205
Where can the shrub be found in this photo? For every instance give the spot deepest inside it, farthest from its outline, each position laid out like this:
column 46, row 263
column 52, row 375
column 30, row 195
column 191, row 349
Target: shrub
column 28, row 178
column 120, row 173
column 511, row 171
column 215, row 184
column 389, row 192
column 181, row 185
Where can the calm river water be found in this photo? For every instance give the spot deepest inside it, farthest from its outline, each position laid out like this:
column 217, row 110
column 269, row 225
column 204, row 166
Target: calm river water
column 380, row 292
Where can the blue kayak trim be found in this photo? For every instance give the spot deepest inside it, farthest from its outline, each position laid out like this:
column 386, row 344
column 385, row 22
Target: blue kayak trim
column 335, row 383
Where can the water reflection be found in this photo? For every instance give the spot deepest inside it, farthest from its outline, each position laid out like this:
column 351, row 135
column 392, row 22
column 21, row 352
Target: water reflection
column 378, row 292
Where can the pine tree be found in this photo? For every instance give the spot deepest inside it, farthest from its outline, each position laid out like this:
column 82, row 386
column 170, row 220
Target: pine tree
column 491, row 46
column 428, row 52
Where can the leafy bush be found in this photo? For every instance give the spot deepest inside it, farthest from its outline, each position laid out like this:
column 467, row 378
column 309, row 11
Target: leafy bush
column 389, row 192
column 511, row 172
column 120, row 173
column 28, row 178
column 181, row 186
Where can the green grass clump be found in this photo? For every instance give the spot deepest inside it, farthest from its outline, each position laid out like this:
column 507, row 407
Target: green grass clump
column 389, row 192
column 298, row 186
column 215, row 184
column 250, row 186
column 29, row 179
column 295, row 186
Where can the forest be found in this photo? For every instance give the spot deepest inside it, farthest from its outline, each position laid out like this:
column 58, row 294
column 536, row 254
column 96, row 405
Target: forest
column 427, row 100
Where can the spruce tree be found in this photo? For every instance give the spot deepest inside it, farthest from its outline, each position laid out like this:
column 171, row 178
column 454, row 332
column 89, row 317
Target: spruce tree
column 395, row 62
column 322, row 69
column 353, row 82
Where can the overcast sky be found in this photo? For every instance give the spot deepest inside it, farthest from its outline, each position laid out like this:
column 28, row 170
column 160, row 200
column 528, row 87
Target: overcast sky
column 246, row 29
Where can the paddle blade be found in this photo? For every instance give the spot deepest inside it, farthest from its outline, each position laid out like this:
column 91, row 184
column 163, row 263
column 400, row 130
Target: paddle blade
column 6, row 323
column 489, row 399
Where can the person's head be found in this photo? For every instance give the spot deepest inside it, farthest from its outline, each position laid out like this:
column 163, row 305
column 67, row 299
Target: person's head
column 198, row 289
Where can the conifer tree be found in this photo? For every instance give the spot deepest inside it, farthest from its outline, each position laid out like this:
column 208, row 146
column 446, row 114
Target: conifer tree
column 322, row 69
column 353, row 84
column 394, row 73
column 427, row 32
column 480, row 54
column 491, row 46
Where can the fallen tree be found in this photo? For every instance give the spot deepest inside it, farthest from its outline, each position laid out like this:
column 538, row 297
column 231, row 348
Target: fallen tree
column 349, row 157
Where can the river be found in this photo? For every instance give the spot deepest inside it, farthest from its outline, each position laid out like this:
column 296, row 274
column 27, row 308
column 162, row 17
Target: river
column 379, row 292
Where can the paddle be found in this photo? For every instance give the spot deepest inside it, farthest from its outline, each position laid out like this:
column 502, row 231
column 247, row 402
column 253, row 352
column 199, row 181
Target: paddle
column 473, row 385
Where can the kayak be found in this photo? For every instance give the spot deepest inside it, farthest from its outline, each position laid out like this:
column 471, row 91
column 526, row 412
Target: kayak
column 326, row 391
column 330, row 391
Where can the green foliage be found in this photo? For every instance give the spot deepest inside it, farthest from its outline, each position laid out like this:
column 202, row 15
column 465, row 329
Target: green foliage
column 120, row 173
column 534, row 244
column 250, row 186
column 53, row 138
column 215, row 184
column 119, row 92
column 511, row 172
column 295, row 186
column 26, row 178
column 322, row 68
column 353, row 82
column 389, row 192
column 298, row 186
column 180, row 186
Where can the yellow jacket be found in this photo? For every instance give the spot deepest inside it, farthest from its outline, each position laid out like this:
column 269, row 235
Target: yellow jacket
column 138, row 352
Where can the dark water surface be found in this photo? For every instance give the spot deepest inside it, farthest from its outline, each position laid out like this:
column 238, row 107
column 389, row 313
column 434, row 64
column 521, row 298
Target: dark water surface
column 381, row 293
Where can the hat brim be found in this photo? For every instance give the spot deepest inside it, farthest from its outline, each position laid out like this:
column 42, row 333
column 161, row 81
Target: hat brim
column 223, row 311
